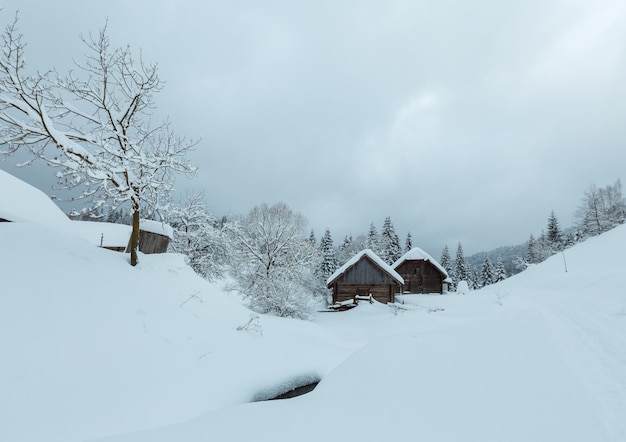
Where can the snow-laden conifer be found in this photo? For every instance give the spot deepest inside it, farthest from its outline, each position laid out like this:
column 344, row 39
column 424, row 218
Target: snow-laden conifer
column 408, row 243
column 373, row 240
column 390, row 250
column 328, row 256
column 486, row 273
column 500, row 272
column 461, row 269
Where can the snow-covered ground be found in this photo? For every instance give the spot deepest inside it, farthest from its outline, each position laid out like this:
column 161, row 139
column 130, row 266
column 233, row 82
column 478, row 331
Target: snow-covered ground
column 93, row 349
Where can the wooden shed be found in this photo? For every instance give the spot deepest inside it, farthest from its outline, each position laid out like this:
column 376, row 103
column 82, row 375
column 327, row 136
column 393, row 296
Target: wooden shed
column 363, row 275
column 421, row 273
column 154, row 236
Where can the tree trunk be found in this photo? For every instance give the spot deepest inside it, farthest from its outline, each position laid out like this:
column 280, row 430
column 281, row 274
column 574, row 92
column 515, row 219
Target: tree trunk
column 134, row 237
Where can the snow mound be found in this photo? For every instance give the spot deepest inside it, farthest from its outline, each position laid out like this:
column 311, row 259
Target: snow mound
column 21, row 202
column 286, row 386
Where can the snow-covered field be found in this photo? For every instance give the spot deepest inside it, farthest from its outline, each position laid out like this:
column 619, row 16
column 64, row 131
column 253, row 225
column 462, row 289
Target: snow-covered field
column 92, row 349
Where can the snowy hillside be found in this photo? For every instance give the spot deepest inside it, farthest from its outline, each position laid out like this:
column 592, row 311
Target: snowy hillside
column 93, row 349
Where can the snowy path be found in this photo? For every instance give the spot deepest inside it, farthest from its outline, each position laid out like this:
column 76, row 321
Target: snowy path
column 596, row 349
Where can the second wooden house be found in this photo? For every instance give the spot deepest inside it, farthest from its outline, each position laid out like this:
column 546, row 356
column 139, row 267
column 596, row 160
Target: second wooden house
column 421, row 273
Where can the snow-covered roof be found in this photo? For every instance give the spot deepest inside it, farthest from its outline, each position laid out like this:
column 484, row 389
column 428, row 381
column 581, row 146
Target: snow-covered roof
column 19, row 202
column 356, row 258
column 116, row 235
column 157, row 227
column 103, row 234
column 418, row 254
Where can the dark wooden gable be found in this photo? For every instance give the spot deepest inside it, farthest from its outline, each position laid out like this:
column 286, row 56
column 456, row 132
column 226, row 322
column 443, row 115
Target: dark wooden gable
column 421, row 276
column 365, row 271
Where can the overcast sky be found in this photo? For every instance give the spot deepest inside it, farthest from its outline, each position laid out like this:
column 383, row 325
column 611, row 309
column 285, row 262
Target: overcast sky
column 462, row 121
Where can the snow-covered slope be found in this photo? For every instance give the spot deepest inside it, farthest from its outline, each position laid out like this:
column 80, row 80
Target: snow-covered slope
column 540, row 357
column 19, row 201
column 92, row 348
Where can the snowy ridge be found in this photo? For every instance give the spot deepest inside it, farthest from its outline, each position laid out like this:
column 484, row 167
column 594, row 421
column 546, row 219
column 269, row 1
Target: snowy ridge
column 19, row 201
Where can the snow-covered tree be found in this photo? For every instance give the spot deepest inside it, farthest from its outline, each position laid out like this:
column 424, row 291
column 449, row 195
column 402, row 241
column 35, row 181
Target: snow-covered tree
column 500, row 272
column 446, row 260
column 373, row 240
column 94, row 124
column 486, row 273
column 390, row 250
column 544, row 248
column 312, row 239
column 601, row 209
column 531, row 250
column 328, row 257
column 408, row 243
column 199, row 236
column 461, row 269
column 350, row 247
column 446, row 263
column 274, row 263
column 554, row 235
column 569, row 240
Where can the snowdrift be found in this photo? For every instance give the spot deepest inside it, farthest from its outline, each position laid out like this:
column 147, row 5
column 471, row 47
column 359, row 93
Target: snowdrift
column 93, row 349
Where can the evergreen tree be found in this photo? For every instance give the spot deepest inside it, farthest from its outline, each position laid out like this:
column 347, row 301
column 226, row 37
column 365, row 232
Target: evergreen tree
column 390, row 250
column 408, row 244
column 373, row 241
column 486, row 274
column 345, row 245
column 543, row 247
column 312, row 239
column 474, row 278
column 446, row 260
column 461, row 268
column 554, row 234
column 328, row 263
column 500, row 274
column 531, row 250
column 345, row 251
column 446, row 263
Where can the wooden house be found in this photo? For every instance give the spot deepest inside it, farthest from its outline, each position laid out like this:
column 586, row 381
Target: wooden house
column 421, row 273
column 154, row 236
column 363, row 275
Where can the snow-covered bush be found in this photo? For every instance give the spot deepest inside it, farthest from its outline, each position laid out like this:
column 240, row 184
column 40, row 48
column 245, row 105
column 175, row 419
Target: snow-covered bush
column 273, row 264
column 200, row 237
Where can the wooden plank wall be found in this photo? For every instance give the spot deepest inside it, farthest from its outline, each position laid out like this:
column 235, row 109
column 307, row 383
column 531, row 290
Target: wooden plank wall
column 420, row 277
column 150, row 242
column 381, row 293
